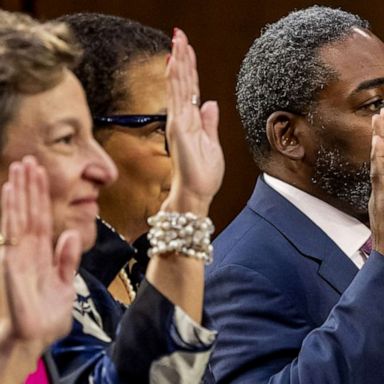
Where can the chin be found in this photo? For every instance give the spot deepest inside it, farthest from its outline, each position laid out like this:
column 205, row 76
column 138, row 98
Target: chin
column 87, row 232
column 88, row 237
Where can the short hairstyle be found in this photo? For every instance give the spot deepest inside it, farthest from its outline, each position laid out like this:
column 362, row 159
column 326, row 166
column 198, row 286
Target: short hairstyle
column 111, row 44
column 33, row 57
column 283, row 71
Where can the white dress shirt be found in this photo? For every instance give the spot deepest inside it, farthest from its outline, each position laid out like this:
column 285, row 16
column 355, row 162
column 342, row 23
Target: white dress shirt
column 347, row 232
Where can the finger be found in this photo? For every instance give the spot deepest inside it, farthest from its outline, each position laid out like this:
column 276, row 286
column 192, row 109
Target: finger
column 378, row 124
column 377, row 136
column 175, row 77
column 15, row 176
column 5, row 191
column 17, row 179
column 67, row 254
column 194, row 76
column 172, row 88
column 181, row 55
column 32, row 193
column 45, row 201
column 210, row 119
column 377, row 158
column 6, row 209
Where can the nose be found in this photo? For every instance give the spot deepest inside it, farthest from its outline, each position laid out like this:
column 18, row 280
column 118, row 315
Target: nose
column 100, row 169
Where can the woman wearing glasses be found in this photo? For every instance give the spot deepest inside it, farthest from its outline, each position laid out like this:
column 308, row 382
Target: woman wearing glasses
column 166, row 342
column 123, row 74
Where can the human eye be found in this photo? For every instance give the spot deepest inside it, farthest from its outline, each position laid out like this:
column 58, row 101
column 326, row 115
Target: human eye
column 155, row 130
column 160, row 129
column 374, row 106
column 65, row 139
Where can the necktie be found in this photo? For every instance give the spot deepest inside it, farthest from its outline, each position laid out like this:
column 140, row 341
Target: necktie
column 367, row 247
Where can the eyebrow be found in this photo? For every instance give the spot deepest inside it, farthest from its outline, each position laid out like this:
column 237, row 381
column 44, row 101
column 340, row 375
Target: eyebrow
column 71, row 121
column 369, row 84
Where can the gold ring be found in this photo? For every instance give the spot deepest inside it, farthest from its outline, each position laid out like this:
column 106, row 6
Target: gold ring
column 195, row 100
column 5, row 241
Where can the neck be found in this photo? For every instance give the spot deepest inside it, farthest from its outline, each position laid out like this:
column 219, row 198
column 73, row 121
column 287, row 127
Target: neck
column 305, row 184
column 127, row 228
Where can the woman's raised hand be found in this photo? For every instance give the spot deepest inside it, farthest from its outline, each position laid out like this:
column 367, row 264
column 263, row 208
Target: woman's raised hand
column 192, row 134
column 38, row 278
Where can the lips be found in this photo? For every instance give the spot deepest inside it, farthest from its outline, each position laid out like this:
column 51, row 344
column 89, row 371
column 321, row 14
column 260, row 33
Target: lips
column 87, row 204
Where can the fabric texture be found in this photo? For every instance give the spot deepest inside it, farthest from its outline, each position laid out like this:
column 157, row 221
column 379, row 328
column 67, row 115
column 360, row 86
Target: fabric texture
column 289, row 305
column 40, row 376
column 152, row 341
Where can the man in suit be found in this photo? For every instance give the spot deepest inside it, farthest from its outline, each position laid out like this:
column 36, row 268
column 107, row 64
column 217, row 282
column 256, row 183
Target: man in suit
column 285, row 290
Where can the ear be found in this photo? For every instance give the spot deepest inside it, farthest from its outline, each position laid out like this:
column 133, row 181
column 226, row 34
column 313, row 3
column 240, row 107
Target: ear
column 283, row 134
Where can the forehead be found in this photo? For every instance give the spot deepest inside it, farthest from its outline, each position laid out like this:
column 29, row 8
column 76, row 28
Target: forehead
column 38, row 114
column 144, row 82
column 357, row 59
column 64, row 101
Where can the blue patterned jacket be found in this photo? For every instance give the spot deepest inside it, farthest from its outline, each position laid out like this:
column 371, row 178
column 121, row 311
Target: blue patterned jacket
column 151, row 341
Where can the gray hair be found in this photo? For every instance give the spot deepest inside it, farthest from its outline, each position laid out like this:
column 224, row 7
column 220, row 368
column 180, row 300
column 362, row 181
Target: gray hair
column 33, row 57
column 283, row 71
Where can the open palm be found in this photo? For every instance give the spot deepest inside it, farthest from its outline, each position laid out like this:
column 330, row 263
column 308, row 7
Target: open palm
column 192, row 132
column 38, row 278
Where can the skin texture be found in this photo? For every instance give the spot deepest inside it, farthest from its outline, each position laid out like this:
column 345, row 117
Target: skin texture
column 58, row 127
column 198, row 168
column 197, row 161
column 315, row 151
column 139, row 154
column 49, row 209
column 376, row 202
column 35, row 278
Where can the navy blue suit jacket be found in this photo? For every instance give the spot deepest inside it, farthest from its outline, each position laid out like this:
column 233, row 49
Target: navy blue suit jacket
column 289, row 305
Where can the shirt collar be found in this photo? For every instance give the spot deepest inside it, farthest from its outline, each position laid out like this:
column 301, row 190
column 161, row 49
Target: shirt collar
column 346, row 231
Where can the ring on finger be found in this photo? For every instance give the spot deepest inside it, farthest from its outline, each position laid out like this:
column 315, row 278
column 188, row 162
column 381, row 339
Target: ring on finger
column 5, row 241
column 195, row 100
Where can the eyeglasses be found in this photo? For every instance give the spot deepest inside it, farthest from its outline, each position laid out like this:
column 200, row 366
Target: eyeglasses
column 130, row 121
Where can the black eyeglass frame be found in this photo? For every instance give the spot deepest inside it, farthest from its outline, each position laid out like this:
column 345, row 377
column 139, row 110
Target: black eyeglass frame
column 129, row 121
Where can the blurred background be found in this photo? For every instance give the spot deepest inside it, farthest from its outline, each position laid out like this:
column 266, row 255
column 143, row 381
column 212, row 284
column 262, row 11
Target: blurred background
column 221, row 32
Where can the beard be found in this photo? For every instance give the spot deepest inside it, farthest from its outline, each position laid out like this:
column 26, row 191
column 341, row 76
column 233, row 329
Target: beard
column 348, row 183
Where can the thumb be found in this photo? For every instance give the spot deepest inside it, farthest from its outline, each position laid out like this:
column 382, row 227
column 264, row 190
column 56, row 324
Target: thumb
column 210, row 119
column 67, row 254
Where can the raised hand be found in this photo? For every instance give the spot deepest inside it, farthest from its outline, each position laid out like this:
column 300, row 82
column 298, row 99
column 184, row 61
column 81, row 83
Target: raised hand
column 198, row 168
column 192, row 133
column 376, row 202
column 38, row 279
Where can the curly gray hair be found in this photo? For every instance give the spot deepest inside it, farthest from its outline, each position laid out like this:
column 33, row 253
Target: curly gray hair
column 283, row 71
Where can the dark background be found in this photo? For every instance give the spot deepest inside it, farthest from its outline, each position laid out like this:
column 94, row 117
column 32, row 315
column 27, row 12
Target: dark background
column 221, row 32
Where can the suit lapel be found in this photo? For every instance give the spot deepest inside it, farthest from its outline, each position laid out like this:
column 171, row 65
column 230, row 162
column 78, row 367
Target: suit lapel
column 335, row 267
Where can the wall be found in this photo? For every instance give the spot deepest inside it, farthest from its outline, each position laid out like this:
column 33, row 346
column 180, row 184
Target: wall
column 221, row 32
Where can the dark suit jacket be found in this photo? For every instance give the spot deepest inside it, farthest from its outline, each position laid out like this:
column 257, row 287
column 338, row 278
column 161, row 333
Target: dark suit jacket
column 275, row 292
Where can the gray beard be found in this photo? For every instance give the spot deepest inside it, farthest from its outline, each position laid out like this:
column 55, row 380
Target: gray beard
column 346, row 182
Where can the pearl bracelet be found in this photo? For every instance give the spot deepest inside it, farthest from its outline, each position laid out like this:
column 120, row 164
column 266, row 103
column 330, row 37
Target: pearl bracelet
column 184, row 233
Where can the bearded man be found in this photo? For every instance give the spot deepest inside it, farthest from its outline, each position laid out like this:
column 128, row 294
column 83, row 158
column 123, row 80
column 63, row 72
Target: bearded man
column 295, row 292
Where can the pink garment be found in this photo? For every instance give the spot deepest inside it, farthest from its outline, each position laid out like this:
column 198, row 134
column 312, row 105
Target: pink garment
column 39, row 376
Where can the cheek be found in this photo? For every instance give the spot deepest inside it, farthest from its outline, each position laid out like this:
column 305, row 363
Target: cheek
column 145, row 167
column 64, row 183
column 350, row 134
column 60, row 182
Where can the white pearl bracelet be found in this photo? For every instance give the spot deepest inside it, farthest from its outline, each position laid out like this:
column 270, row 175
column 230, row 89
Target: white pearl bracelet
column 184, row 233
